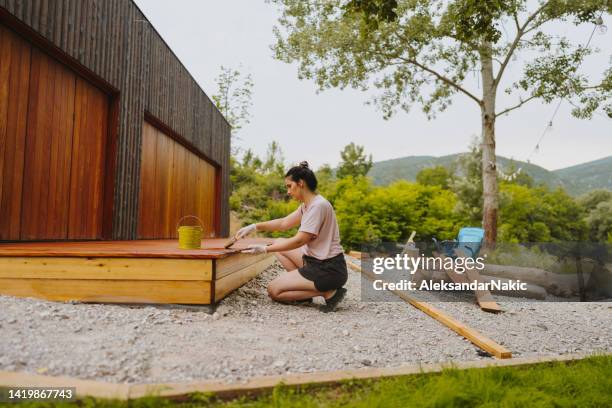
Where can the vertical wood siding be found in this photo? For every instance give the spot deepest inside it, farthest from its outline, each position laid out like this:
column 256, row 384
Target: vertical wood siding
column 174, row 183
column 113, row 40
column 15, row 57
column 53, row 137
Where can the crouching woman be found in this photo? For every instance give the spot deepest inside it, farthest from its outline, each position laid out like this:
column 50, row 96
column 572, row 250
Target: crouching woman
column 313, row 257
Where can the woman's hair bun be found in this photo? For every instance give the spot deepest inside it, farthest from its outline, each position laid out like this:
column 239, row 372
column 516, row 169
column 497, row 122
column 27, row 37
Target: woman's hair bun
column 303, row 172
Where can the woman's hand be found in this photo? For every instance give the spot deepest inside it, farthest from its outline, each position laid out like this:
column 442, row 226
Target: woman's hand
column 255, row 249
column 244, row 231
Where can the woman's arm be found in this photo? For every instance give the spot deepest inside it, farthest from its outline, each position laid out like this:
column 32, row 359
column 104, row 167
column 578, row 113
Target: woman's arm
column 281, row 224
column 296, row 241
column 272, row 225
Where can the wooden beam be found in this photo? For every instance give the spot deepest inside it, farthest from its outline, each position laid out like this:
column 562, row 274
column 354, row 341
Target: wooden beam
column 255, row 385
column 156, row 248
column 355, row 254
column 229, row 283
column 110, row 291
column 472, row 335
column 483, row 297
column 83, row 388
column 229, row 265
column 105, row 268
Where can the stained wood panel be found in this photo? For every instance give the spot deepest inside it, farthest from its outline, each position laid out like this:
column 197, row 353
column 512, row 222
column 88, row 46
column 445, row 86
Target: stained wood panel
column 174, row 182
column 53, row 133
column 48, row 149
column 88, row 162
column 106, row 268
column 110, row 291
column 15, row 55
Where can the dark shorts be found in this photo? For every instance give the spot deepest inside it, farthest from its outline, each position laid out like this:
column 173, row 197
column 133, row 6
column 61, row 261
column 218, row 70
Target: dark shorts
column 327, row 274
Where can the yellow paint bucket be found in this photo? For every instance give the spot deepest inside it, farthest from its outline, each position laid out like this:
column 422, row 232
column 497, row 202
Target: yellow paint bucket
column 190, row 236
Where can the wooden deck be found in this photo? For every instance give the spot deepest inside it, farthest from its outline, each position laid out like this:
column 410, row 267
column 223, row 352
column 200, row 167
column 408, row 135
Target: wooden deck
column 140, row 271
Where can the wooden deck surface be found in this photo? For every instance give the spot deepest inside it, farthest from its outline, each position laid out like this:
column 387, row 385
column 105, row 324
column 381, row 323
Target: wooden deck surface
column 211, row 248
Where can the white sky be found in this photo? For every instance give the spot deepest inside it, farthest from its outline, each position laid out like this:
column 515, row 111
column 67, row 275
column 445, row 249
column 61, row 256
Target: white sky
column 206, row 34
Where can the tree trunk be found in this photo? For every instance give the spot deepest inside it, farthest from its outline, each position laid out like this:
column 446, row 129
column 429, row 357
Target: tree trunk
column 489, row 166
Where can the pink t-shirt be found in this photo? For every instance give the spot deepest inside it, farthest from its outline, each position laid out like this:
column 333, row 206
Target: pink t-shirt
column 319, row 218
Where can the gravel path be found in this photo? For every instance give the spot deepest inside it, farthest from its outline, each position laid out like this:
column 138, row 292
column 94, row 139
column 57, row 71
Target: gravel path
column 250, row 335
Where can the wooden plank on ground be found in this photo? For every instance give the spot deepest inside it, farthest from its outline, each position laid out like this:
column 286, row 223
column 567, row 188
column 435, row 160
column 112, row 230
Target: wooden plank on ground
column 255, row 385
column 106, row 268
column 229, row 283
column 483, row 297
column 472, row 335
column 110, row 291
column 84, row 388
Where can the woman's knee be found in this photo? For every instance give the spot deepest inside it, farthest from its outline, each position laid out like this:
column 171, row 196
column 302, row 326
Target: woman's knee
column 273, row 290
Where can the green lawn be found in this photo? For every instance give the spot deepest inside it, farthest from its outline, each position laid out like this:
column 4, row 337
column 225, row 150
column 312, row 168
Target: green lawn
column 584, row 383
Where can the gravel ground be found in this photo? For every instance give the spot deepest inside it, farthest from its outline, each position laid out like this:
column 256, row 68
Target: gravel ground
column 250, row 335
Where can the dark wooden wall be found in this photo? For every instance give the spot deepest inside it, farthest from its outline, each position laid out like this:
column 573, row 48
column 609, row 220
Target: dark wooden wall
column 113, row 40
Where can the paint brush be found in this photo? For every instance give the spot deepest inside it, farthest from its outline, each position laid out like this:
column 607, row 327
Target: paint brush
column 230, row 242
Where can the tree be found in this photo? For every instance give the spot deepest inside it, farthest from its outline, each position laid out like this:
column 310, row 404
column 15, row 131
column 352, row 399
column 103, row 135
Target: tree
column 371, row 215
column 599, row 222
column 354, row 161
column 434, row 176
column 418, row 51
column 467, row 185
column 539, row 215
column 592, row 199
column 233, row 99
column 598, row 206
column 258, row 187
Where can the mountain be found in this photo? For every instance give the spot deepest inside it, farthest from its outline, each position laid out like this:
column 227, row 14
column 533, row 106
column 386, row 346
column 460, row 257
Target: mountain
column 576, row 180
column 588, row 176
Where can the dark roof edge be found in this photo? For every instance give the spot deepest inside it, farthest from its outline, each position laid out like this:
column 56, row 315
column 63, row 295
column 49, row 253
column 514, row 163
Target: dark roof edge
column 179, row 60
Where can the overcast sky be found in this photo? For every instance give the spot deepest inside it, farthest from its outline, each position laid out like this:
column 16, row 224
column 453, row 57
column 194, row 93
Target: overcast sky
column 206, row 34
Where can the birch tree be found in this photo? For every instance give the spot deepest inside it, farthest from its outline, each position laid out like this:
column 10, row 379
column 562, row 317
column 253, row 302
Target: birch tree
column 421, row 51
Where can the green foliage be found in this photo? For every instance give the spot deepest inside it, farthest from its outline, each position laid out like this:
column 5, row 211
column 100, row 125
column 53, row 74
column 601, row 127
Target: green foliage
column 539, row 215
column 591, row 200
column 515, row 254
column 258, row 188
column 355, row 162
column 368, row 214
column 598, row 208
column 434, row 176
column 437, row 206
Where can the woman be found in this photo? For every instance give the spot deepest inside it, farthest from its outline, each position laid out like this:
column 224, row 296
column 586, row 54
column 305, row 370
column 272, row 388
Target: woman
column 313, row 257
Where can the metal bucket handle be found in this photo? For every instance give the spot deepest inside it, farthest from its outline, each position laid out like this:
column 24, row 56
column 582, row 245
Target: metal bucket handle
column 178, row 224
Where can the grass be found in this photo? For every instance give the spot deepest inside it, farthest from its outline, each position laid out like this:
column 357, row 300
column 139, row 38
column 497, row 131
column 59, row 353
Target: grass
column 583, row 383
